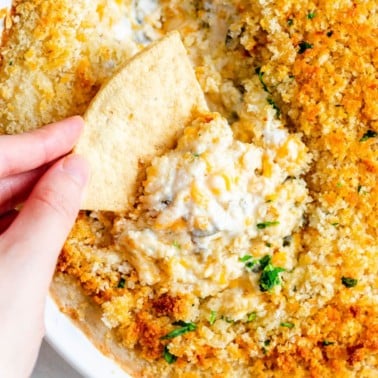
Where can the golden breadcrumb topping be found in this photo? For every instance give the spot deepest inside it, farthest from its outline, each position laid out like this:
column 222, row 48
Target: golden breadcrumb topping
column 58, row 53
column 312, row 66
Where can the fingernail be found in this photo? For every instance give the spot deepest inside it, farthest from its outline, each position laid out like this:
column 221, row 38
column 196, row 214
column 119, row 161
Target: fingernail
column 77, row 167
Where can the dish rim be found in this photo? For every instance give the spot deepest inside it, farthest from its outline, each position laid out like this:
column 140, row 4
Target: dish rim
column 75, row 347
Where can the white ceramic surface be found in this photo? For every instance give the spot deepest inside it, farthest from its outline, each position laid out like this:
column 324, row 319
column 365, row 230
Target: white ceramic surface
column 75, row 347
column 51, row 365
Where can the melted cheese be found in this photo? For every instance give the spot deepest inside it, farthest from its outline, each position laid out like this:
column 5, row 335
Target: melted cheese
column 204, row 205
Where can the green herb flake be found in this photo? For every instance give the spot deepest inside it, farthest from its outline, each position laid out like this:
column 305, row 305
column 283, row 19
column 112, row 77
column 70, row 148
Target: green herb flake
column 369, row 134
column 251, row 317
column 327, row 342
column 270, row 277
column 263, row 225
column 251, row 264
column 195, row 154
column 213, row 317
column 245, row 258
column 121, row 283
column 303, row 46
column 264, row 349
column 349, row 282
column 268, row 245
column 168, row 356
column 290, row 22
column 260, row 75
column 335, row 224
column 11, row 62
column 274, row 106
column 287, row 325
column 176, row 244
column 265, row 261
column 311, row 15
column 256, row 265
column 330, row 33
column 184, row 328
column 269, row 274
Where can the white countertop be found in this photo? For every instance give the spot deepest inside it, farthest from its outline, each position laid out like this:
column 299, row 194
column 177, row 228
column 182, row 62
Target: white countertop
column 51, row 365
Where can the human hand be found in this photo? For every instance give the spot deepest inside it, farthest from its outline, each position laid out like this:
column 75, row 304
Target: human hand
column 30, row 241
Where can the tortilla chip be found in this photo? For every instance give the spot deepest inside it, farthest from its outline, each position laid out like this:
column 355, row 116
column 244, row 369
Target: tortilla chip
column 137, row 114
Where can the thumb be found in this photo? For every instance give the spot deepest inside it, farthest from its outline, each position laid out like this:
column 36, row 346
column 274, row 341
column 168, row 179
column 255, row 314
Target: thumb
column 39, row 231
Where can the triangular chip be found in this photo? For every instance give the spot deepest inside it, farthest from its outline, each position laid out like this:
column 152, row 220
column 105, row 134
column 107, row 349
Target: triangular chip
column 136, row 115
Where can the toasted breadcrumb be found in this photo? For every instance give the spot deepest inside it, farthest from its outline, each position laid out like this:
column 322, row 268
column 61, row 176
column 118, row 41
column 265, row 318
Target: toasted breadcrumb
column 58, row 53
column 320, row 71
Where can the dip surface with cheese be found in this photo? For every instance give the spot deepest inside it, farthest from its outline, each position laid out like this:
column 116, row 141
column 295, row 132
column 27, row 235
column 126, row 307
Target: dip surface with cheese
column 252, row 248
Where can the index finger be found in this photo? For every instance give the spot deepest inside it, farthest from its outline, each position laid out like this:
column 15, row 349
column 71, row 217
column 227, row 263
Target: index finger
column 23, row 152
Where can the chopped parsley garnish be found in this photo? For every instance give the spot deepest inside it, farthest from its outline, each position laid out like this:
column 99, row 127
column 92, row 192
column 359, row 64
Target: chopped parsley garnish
column 287, row 325
column 213, row 317
column 311, row 15
column 369, row 134
column 254, row 264
column 271, row 102
column 327, row 342
column 121, row 283
column 265, row 261
column 263, row 225
column 349, row 282
column 274, row 106
column 11, row 62
column 168, row 356
column 335, row 224
column 330, row 33
column 176, row 244
column 260, row 75
column 269, row 274
column 290, row 22
column 303, row 46
column 286, row 241
column 270, row 277
column 251, row 317
column 245, row 258
column 264, row 349
column 196, row 155
column 268, row 245
column 184, row 328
